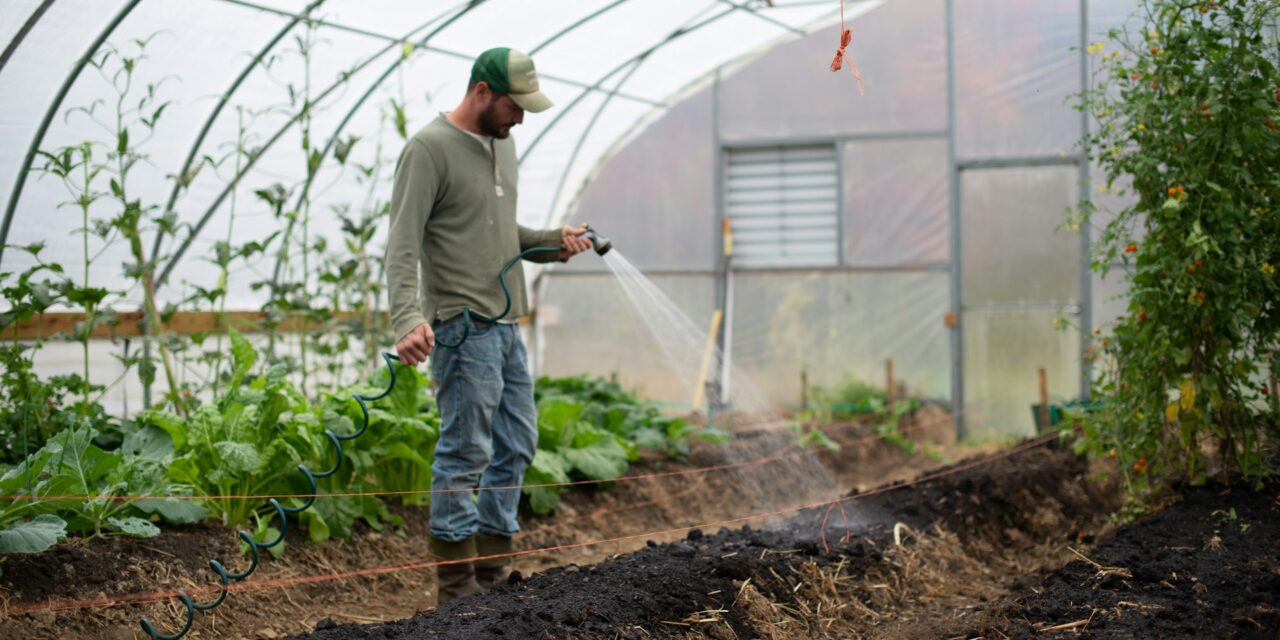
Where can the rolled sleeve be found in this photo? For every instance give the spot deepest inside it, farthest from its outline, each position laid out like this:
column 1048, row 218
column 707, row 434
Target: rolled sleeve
column 530, row 238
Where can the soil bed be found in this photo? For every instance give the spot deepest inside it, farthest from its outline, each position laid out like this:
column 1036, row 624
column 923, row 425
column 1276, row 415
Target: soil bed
column 1205, row 567
column 746, row 583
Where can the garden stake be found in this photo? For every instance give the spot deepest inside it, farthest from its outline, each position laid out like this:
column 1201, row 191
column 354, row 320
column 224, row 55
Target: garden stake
column 281, row 513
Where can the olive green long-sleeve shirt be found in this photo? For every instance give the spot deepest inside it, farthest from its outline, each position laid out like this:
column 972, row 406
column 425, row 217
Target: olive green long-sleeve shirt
column 453, row 226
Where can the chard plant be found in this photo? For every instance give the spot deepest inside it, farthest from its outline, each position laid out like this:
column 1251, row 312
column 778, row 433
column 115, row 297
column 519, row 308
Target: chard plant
column 1186, row 111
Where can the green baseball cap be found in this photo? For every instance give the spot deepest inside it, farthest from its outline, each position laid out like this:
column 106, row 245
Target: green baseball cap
column 510, row 71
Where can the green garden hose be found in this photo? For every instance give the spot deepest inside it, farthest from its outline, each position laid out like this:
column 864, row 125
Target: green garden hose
column 468, row 315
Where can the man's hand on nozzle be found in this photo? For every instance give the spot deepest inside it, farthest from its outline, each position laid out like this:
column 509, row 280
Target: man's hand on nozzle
column 572, row 242
column 416, row 345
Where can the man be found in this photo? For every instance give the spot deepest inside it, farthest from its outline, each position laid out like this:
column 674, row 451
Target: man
column 453, row 223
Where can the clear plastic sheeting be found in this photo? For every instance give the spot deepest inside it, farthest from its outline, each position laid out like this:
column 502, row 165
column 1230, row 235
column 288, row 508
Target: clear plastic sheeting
column 1015, row 73
column 586, row 325
column 667, row 223
column 895, row 203
column 1015, row 249
column 837, row 327
column 624, row 58
column 900, row 48
column 1004, row 351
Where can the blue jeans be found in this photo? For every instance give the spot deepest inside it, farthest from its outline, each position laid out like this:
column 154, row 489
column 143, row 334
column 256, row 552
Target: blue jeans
column 488, row 429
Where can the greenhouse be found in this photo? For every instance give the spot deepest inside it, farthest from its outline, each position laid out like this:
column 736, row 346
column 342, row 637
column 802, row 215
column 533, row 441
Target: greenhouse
column 829, row 318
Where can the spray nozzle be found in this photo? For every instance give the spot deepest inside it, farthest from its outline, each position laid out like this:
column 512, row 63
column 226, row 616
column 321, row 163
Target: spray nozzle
column 598, row 242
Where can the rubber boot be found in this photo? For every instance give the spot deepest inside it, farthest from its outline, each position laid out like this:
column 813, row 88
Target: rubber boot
column 455, row 579
column 493, row 570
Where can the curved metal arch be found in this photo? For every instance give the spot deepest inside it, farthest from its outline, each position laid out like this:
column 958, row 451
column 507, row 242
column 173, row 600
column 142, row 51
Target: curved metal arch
column 572, row 27
column 208, row 214
column 21, row 179
column 755, row 11
column 561, row 113
column 22, row 32
column 638, row 60
column 217, row 110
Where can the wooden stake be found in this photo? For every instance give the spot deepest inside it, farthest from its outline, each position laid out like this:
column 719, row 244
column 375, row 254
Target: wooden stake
column 890, row 388
column 699, row 392
column 804, row 390
column 1044, row 398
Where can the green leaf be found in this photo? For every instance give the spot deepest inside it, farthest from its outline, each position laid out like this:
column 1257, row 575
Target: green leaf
column 133, row 526
column 243, row 355
column 602, row 460
column 548, row 468
column 718, row 436
column 649, row 437
column 405, row 397
column 33, row 536
column 174, row 511
column 78, row 465
column 557, row 419
column 317, row 528
column 402, row 451
column 239, row 457
column 148, row 443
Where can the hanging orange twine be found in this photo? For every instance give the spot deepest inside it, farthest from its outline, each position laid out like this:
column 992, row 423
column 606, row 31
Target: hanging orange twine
column 846, row 36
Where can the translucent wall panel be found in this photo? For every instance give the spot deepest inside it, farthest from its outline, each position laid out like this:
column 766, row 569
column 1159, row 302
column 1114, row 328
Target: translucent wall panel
column 1015, row 72
column 589, row 327
column 900, row 47
column 1002, row 352
column 655, row 198
column 1013, row 249
column 1105, row 15
column 840, row 325
column 895, row 202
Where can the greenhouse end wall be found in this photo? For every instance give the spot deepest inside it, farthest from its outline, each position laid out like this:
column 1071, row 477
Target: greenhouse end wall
column 928, row 224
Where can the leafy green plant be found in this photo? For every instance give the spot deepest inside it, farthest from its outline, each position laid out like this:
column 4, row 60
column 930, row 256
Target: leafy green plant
column 811, row 437
column 250, row 441
column 568, row 447
column 399, row 446
column 237, row 445
column 1187, row 112
column 71, row 465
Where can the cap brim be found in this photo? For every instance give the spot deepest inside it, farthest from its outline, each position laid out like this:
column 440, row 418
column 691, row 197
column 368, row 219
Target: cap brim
column 534, row 102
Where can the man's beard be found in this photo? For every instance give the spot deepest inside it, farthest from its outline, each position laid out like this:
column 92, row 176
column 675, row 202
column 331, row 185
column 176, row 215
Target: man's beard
column 491, row 123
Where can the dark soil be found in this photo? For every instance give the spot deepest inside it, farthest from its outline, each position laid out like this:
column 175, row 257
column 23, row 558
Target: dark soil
column 1206, row 567
column 89, row 568
column 666, row 590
